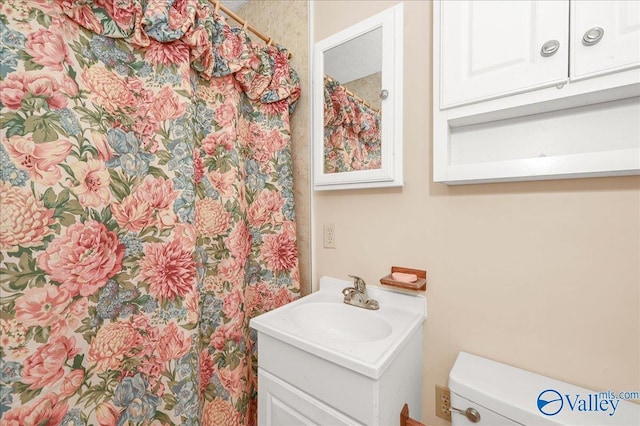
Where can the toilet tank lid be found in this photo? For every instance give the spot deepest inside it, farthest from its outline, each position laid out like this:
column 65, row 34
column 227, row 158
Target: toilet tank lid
column 514, row 393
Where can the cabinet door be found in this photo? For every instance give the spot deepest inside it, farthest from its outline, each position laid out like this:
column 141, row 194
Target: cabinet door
column 491, row 49
column 614, row 27
column 280, row 403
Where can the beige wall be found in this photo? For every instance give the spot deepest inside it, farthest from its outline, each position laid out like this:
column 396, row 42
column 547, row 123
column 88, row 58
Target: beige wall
column 286, row 22
column 368, row 89
column 541, row 275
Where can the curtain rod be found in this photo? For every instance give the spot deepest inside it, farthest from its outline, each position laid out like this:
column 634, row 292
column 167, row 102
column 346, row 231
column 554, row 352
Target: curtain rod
column 217, row 5
column 353, row 95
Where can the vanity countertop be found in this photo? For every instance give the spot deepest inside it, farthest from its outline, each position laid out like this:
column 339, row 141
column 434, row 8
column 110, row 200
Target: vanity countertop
column 365, row 341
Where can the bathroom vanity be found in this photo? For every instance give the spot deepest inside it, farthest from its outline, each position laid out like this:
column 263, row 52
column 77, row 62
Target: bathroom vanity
column 324, row 362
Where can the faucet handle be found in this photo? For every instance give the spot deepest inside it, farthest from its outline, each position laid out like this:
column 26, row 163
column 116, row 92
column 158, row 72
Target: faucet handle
column 358, row 283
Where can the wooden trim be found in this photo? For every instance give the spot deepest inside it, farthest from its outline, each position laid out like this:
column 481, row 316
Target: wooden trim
column 405, row 420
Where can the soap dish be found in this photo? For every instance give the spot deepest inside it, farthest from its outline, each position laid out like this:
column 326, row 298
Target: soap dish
column 420, row 284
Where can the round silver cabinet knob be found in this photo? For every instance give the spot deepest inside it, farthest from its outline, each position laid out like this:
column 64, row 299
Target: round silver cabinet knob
column 384, row 94
column 593, row 36
column 550, row 48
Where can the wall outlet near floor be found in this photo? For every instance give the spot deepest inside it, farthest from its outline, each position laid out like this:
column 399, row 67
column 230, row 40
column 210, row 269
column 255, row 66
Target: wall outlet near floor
column 329, row 235
column 443, row 402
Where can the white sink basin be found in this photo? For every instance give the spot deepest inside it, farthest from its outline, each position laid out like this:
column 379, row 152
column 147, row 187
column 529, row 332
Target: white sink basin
column 341, row 322
column 365, row 341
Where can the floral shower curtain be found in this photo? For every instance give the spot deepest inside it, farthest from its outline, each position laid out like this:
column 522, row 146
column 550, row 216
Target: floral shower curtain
column 146, row 212
column 351, row 131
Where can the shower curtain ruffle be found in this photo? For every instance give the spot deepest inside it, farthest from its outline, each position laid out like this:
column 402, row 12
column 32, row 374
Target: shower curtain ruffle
column 215, row 49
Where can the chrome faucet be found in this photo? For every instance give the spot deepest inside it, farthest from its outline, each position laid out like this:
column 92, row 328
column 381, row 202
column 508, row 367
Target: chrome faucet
column 358, row 296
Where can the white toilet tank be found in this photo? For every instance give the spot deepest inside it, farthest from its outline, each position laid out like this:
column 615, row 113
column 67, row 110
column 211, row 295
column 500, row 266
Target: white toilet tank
column 505, row 395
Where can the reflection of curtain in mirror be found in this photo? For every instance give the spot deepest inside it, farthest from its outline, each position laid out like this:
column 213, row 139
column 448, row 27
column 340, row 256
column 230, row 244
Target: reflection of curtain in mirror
column 146, row 212
column 351, row 131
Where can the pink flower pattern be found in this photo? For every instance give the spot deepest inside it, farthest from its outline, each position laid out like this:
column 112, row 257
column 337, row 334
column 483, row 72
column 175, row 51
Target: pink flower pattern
column 42, row 305
column 41, row 160
column 169, row 269
column 84, row 258
column 147, row 205
column 113, row 343
column 46, row 410
column 132, row 214
column 352, row 132
column 280, row 252
column 24, row 220
column 47, row 49
column 172, row 343
column 108, row 89
column 167, row 106
column 46, row 365
column 72, row 382
column 93, row 182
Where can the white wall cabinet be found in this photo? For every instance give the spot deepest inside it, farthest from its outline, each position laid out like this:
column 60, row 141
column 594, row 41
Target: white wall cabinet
column 619, row 46
column 492, row 48
column 535, row 90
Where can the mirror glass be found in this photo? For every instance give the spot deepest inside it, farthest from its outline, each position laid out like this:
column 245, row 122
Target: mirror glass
column 352, row 107
column 357, row 105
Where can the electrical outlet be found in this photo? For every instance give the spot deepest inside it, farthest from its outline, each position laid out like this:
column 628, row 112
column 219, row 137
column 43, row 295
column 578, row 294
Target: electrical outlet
column 329, row 235
column 443, row 402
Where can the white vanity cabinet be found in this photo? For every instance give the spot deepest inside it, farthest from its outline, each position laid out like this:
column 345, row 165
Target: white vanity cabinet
column 323, row 362
column 281, row 403
column 296, row 387
column 527, row 90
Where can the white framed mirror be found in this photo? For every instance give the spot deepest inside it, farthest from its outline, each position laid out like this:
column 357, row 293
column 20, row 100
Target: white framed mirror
column 357, row 105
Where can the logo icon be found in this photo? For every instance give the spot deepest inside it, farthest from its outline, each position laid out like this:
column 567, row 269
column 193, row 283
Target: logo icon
column 550, row 402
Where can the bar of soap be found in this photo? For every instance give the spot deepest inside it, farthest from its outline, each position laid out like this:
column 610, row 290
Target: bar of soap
column 404, row 277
